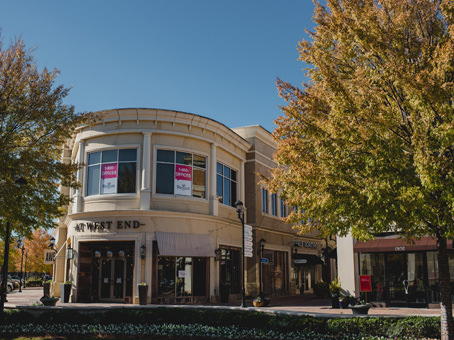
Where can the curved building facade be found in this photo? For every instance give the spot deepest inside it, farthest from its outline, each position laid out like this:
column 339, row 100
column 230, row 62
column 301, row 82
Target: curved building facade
column 155, row 207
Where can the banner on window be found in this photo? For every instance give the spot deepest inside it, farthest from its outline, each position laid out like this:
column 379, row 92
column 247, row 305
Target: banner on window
column 365, row 283
column 183, row 180
column 109, row 175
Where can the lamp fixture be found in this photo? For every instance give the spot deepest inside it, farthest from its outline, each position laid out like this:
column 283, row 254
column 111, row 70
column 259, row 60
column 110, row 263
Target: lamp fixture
column 218, row 254
column 52, row 243
column 142, row 252
column 69, row 253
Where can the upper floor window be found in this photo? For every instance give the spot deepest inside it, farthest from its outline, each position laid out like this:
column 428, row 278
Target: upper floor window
column 180, row 173
column 274, row 204
column 226, row 184
column 264, row 201
column 283, row 209
column 112, row 172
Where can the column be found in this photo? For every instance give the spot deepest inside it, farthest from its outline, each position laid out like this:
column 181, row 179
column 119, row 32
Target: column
column 145, row 191
column 80, row 178
column 212, row 181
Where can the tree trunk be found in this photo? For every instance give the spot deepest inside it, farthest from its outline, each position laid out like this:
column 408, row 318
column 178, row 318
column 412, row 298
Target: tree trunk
column 447, row 323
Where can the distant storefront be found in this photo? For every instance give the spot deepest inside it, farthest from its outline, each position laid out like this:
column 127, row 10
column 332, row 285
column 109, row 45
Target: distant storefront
column 402, row 274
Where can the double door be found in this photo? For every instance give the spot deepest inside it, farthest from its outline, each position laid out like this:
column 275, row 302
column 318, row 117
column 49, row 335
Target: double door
column 113, row 279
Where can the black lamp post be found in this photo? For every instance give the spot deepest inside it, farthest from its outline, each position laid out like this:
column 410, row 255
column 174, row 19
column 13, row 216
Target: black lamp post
column 20, row 245
column 261, row 247
column 240, row 211
column 20, row 182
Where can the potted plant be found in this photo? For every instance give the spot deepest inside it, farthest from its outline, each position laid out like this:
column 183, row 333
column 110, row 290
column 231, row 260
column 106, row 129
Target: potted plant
column 47, row 300
column 46, row 287
column 65, row 291
column 224, row 290
column 258, row 302
column 334, row 290
column 143, row 293
column 359, row 307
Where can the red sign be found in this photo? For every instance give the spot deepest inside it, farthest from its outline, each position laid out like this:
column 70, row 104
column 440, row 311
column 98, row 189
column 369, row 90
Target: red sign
column 365, row 284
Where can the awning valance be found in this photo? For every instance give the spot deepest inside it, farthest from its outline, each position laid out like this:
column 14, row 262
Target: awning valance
column 306, row 259
column 394, row 243
column 179, row 244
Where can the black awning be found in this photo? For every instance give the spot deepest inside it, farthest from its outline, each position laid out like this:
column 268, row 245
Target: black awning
column 306, row 259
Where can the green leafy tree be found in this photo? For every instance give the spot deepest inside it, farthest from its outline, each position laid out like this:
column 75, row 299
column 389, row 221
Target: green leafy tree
column 367, row 144
column 34, row 124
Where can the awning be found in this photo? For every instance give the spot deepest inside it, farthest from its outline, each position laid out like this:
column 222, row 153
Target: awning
column 178, row 244
column 306, row 259
column 394, row 243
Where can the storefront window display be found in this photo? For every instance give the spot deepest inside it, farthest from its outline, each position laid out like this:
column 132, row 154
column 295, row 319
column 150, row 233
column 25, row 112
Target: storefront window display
column 180, row 277
column 403, row 279
column 230, row 270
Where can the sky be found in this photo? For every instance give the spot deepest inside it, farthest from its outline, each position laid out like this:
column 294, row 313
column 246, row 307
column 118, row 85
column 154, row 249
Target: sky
column 218, row 59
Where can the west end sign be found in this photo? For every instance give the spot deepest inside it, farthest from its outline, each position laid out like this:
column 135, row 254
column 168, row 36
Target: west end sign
column 107, row 225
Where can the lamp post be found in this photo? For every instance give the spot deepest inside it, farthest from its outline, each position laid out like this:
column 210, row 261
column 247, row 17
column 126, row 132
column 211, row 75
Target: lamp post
column 20, row 245
column 240, row 211
column 20, row 182
column 25, row 268
column 261, row 247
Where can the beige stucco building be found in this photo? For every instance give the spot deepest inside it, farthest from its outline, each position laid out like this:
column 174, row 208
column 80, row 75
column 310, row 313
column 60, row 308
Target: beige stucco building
column 155, row 206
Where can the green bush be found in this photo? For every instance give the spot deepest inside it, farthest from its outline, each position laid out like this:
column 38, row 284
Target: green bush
column 357, row 327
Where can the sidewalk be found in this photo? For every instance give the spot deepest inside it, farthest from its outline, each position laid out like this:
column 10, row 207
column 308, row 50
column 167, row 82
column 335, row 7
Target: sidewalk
column 297, row 305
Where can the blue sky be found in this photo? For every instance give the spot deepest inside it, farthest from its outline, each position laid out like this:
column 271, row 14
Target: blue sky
column 218, row 59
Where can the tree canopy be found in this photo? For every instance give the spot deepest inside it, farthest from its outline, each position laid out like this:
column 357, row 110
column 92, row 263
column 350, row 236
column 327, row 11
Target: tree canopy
column 34, row 123
column 367, row 144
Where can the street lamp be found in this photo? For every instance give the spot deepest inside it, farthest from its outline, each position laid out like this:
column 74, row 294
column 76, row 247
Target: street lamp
column 20, row 245
column 20, row 182
column 261, row 248
column 240, row 210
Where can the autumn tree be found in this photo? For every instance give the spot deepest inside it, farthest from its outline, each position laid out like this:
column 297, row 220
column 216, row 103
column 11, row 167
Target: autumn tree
column 34, row 124
column 34, row 251
column 367, row 144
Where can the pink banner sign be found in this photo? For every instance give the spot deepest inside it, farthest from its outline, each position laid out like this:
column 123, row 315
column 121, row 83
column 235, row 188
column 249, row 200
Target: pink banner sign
column 183, row 180
column 109, row 176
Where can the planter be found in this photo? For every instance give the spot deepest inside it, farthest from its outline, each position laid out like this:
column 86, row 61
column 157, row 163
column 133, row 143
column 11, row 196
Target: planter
column 46, row 288
column 224, row 291
column 258, row 303
column 360, row 309
column 65, row 292
column 48, row 301
column 143, row 292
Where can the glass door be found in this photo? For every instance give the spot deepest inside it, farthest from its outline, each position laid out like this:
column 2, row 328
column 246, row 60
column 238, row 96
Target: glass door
column 112, row 284
column 397, row 279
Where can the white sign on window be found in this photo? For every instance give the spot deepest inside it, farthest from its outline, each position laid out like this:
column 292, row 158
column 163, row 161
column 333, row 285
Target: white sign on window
column 183, row 180
column 182, row 274
column 109, row 173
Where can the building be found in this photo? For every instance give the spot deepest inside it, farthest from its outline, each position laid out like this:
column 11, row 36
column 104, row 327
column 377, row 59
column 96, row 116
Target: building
column 156, row 206
column 400, row 273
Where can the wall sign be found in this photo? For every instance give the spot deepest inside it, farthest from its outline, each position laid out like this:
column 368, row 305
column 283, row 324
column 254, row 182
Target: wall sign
column 305, row 244
column 106, row 225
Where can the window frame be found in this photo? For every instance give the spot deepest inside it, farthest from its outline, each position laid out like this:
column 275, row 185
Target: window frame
column 233, row 198
column 193, row 153
column 117, row 148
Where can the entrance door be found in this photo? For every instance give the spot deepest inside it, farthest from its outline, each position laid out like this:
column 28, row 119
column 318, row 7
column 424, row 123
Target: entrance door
column 397, row 279
column 112, row 273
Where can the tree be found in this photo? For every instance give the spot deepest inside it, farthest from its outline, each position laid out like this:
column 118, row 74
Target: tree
column 34, row 248
column 367, row 144
column 34, row 124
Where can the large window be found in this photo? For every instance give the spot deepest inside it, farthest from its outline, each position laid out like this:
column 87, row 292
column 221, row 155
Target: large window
column 283, row 208
column 180, row 173
column 112, row 172
column 226, row 184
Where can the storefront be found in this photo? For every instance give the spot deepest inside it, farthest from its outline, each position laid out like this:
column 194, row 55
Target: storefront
column 401, row 273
